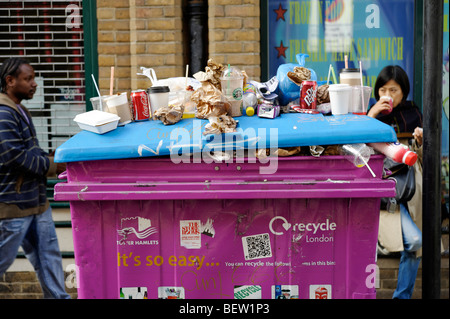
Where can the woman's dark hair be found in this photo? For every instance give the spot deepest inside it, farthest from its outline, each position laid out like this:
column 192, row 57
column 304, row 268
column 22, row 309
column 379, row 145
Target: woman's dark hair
column 396, row 73
column 10, row 66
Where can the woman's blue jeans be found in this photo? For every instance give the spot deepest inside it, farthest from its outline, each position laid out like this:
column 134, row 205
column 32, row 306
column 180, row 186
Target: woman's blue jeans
column 409, row 264
column 37, row 236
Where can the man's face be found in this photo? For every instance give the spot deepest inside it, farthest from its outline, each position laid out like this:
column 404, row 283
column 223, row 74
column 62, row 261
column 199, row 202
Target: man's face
column 23, row 86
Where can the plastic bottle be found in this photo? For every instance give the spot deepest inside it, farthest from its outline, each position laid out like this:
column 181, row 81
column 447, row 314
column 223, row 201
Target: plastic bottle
column 397, row 152
column 250, row 102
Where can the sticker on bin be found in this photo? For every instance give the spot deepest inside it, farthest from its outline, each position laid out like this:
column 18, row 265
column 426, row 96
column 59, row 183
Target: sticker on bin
column 171, row 293
column 133, row 293
column 257, row 246
column 285, row 292
column 97, row 121
column 247, row 292
column 140, row 227
column 190, row 235
column 320, row 292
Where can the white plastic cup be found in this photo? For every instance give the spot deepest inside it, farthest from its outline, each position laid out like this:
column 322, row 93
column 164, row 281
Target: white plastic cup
column 357, row 103
column 95, row 102
column 340, row 98
column 118, row 104
column 159, row 97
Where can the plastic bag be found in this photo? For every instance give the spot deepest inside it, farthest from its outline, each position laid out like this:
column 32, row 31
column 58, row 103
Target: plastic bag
column 287, row 90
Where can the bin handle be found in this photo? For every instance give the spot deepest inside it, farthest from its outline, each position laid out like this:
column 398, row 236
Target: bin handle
column 63, row 175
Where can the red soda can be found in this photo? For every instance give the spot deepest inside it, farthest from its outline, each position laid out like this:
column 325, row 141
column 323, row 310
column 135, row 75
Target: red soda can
column 141, row 105
column 308, row 92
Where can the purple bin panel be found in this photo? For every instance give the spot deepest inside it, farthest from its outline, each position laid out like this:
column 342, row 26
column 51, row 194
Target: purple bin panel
column 150, row 227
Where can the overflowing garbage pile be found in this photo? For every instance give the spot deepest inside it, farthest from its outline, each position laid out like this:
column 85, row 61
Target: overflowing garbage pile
column 222, row 94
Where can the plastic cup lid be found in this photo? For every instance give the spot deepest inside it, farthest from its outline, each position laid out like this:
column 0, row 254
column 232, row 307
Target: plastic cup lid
column 349, row 70
column 158, row 89
column 231, row 72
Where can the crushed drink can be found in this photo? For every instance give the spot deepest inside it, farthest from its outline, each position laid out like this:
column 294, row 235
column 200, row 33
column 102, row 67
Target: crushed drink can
column 141, row 105
column 308, row 96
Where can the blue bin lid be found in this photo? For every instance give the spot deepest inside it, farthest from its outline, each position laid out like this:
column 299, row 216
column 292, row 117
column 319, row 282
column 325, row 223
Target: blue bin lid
column 153, row 138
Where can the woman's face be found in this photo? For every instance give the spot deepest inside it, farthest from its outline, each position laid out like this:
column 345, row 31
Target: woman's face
column 393, row 90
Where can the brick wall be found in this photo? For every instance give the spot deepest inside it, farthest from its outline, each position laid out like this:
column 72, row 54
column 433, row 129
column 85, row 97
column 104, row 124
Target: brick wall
column 24, row 285
column 135, row 33
column 234, row 34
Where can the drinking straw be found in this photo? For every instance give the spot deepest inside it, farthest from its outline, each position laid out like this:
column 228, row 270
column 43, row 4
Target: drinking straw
column 362, row 85
column 346, row 61
column 98, row 92
column 187, row 71
column 351, row 150
column 334, row 75
column 367, row 165
column 228, row 82
column 111, row 83
column 329, row 72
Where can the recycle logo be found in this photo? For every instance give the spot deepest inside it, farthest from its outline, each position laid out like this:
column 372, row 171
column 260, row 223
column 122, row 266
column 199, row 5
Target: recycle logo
column 286, row 225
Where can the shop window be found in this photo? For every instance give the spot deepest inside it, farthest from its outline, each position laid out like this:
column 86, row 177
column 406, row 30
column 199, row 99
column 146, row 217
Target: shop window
column 50, row 35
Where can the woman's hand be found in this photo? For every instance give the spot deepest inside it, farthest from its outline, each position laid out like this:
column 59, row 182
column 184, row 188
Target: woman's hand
column 381, row 105
column 418, row 135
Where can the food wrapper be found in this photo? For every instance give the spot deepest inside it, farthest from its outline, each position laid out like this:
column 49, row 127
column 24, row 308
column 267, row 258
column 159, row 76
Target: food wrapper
column 209, row 101
column 316, row 150
column 324, row 108
column 299, row 74
column 209, row 98
column 331, row 150
column 220, row 124
column 169, row 114
column 322, row 94
column 282, row 152
column 212, row 74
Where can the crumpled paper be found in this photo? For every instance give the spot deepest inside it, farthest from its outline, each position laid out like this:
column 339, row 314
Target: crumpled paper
column 323, row 96
column 282, row 152
column 209, row 101
column 299, row 74
column 212, row 74
column 209, row 98
column 169, row 114
column 220, row 124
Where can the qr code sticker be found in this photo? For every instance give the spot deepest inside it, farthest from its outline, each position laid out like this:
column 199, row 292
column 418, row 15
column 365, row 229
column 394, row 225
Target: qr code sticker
column 257, row 246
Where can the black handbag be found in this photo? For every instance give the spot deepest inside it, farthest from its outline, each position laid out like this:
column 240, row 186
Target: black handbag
column 405, row 184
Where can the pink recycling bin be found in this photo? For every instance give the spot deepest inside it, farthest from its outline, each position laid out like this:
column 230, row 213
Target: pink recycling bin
column 147, row 228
